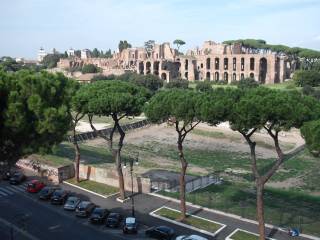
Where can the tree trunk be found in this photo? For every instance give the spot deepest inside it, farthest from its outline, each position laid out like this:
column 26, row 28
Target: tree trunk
column 120, row 174
column 184, row 166
column 77, row 152
column 260, row 210
column 77, row 159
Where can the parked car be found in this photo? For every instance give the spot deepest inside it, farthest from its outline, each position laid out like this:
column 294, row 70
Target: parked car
column 59, row 197
column 17, row 178
column 71, row 203
column 190, row 237
column 35, row 186
column 114, row 220
column 130, row 225
column 99, row 215
column 84, row 209
column 161, row 232
column 46, row 193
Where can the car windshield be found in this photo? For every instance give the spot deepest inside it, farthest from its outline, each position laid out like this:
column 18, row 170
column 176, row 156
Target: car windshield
column 84, row 204
column 113, row 215
column 164, row 229
column 130, row 221
column 58, row 193
column 98, row 211
column 16, row 175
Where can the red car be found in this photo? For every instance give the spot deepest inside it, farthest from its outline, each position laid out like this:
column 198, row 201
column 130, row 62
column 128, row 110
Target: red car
column 35, row 186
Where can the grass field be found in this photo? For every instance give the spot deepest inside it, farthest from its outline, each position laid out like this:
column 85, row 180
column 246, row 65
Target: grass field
column 190, row 220
column 282, row 208
column 241, row 235
column 93, row 186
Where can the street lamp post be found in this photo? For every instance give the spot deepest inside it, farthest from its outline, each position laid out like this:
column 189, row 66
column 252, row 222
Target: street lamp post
column 132, row 161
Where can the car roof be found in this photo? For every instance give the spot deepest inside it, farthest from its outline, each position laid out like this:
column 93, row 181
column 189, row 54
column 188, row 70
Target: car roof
column 73, row 198
column 164, row 228
column 85, row 203
column 195, row 237
column 114, row 214
column 130, row 220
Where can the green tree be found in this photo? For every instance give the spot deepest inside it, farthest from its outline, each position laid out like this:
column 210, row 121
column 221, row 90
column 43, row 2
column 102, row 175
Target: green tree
column 89, row 68
column 204, row 86
column 177, row 107
column 306, row 77
column 123, row 45
column 247, row 83
column 51, row 60
column 274, row 111
column 177, row 83
column 149, row 45
column 95, row 53
column 311, row 133
column 115, row 99
column 179, row 43
column 34, row 113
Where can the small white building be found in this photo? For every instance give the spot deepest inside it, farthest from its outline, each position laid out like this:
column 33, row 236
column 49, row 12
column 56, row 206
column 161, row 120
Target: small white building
column 70, row 52
column 41, row 54
column 85, row 54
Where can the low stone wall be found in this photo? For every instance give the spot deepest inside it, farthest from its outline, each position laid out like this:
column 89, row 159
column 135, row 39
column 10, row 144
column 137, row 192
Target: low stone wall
column 54, row 174
column 110, row 177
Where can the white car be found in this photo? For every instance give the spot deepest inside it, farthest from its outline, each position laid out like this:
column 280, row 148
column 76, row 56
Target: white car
column 190, row 237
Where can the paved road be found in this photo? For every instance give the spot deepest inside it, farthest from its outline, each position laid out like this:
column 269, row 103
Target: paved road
column 41, row 220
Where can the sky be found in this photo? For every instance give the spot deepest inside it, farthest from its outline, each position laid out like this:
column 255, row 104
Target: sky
column 27, row 25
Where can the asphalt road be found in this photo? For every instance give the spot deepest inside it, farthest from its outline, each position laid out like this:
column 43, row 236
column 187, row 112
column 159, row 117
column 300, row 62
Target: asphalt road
column 41, row 220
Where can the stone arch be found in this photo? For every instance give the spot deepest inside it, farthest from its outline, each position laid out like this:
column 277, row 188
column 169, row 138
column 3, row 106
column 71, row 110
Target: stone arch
column 263, row 68
column 242, row 76
column 156, row 68
column 252, row 62
column 141, row 67
column 216, row 76
column 148, row 67
column 164, row 76
column 216, row 63
column 208, row 76
column 208, row 63
column 234, row 77
column 186, row 63
column 225, row 76
column 186, row 75
column 252, row 75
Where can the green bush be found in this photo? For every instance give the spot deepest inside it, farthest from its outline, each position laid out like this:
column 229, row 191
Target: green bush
column 307, row 77
column 204, row 86
column 177, row 83
column 90, row 68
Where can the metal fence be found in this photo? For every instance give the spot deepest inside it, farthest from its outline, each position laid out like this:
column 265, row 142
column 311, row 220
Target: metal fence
column 191, row 185
column 106, row 132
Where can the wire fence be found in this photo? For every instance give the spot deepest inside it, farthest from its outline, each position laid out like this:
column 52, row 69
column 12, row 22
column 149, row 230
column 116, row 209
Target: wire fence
column 106, row 132
column 191, row 185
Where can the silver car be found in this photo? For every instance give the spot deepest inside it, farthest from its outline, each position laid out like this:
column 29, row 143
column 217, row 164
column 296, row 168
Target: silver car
column 190, row 237
column 72, row 203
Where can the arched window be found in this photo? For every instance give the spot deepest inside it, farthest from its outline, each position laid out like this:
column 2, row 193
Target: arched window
column 225, row 63
column 225, row 76
column 251, row 75
column 186, row 64
column 242, row 76
column 242, row 64
column 186, row 75
column 216, row 63
column 164, row 76
column 208, row 76
column 208, row 63
column 234, row 77
column 216, row 76
column 234, row 64
column 251, row 64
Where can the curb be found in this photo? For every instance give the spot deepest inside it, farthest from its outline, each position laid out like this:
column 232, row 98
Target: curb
column 186, row 225
column 86, row 190
column 239, row 229
column 230, row 215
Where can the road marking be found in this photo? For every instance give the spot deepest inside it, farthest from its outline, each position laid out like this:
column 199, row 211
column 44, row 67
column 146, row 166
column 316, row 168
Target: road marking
column 3, row 194
column 12, row 189
column 6, row 191
column 21, row 189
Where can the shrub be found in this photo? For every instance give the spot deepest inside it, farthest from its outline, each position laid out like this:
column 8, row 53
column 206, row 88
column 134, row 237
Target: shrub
column 177, row 83
column 247, row 83
column 307, row 77
column 89, row 68
column 204, row 86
